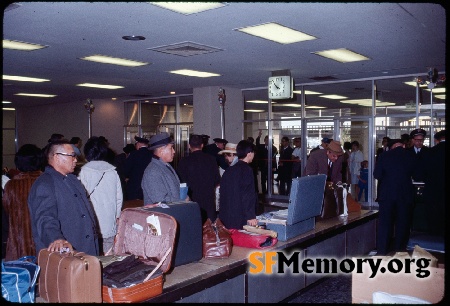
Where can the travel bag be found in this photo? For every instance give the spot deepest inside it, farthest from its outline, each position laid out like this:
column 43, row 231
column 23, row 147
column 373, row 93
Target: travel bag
column 150, row 236
column 188, row 240
column 19, row 279
column 69, row 277
column 217, row 241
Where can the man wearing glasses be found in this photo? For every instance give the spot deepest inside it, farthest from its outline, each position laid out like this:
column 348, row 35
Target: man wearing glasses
column 418, row 136
column 61, row 215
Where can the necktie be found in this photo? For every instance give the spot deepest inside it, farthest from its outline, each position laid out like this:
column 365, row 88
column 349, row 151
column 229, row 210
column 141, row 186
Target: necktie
column 330, row 165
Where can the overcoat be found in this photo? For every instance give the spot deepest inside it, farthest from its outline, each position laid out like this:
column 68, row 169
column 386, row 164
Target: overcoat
column 238, row 198
column 160, row 183
column 60, row 209
column 317, row 163
column 135, row 165
column 199, row 170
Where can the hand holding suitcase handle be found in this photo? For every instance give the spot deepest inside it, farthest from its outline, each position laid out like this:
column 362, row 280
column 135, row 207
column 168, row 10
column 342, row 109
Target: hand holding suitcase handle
column 60, row 245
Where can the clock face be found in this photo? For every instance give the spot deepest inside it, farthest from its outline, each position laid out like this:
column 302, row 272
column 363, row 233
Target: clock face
column 280, row 87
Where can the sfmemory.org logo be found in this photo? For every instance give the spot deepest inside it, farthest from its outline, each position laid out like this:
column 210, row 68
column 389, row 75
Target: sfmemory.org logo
column 279, row 263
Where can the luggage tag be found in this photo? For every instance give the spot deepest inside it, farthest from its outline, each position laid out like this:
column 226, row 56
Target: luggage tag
column 153, row 225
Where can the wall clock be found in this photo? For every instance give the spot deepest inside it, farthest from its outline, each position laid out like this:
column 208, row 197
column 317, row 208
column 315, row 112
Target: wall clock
column 280, row 87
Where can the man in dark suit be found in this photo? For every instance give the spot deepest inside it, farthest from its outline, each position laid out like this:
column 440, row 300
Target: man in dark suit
column 238, row 198
column 135, row 165
column 262, row 154
column 434, row 190
column 285, row 166
column 394, row 170
column 417, row 137
column 61, row 214
column 199, row 170
column 214, row 149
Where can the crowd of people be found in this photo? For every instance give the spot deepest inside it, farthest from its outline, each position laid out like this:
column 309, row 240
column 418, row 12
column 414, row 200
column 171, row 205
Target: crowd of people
column 65, row 196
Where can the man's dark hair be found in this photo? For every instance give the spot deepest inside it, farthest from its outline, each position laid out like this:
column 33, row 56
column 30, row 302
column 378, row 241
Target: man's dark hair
column 50, row 147
column 75, row 140
column 347, row 145
column 243, row 148
column 96, row 149
column 55, row 136
column 29, row 158
column 195, row 141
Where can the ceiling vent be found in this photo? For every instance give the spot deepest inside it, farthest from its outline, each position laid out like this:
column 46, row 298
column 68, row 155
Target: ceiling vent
column 185, row 49
column 324, row 78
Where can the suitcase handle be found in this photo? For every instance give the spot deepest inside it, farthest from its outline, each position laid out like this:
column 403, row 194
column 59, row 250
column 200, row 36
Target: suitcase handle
column 79, row 255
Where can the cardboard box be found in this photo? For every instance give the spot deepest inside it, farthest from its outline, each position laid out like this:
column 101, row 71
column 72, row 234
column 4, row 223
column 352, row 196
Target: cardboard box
column 430, row 289
column 305, row 203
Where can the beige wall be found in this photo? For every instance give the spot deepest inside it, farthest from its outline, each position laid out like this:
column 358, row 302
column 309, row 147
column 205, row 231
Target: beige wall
column 36, row 124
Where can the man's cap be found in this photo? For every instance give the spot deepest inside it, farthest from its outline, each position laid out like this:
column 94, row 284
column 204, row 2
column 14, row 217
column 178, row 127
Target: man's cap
column 141, row 140
column 205, row 136
column 326, row 140
column 229, row 148
column 160, row 140
column 418, row 132
column 129, row 148
column 394, row 141
column 335, row 147
column 220, row 140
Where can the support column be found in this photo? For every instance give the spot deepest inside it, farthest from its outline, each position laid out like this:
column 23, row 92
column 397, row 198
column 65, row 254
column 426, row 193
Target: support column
column 207, row 113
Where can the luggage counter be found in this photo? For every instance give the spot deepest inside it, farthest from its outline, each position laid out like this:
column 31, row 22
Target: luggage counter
column 229, row 280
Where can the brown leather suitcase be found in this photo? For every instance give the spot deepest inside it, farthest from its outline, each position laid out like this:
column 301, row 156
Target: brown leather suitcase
column 138, row 235
column 72, row 277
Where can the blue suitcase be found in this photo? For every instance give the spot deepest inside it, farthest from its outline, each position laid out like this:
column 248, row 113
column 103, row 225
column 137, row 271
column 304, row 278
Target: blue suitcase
column 188, row 240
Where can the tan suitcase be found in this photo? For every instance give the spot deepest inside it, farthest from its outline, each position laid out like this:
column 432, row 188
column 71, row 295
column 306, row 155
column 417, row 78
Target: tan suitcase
column 72, row 277
column 136, row 235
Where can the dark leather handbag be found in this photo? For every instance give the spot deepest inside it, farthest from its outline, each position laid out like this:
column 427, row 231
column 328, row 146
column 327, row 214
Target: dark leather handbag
column 333, row 204
column 217, row 242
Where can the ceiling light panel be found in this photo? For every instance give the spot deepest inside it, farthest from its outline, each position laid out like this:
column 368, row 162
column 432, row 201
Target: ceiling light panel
column 334, row 97
column 23, row 79
column 100, row 86
column 187, row 8
column 35, row 95
column 307, row 92
column 277, row 33
column 20, row 45
column 194, row 73
column 113, row 60
column 186, row 48
column 342, row 55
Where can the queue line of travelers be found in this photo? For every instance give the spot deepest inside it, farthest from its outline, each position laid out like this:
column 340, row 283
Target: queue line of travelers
column 68, row 211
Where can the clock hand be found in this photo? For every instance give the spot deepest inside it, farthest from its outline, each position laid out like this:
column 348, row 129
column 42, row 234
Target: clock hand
column 276, row 86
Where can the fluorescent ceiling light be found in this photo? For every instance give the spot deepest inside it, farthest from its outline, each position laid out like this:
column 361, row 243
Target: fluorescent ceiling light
column 20, row 45
column 194, row 73
column 440, row 96
column 113, row 60
column 257, row 101
column 342, row 55
column 307, row 92
column 367, row 102
column 276, row 32
column 8, row 108
column 6, row 102
column 437, row 90
column 35, row 95
column 188, row 8
column 254, row 110
column 289, row 104
column 314, row 107
column 23, row 79
column 100, row 86
column 334, row 97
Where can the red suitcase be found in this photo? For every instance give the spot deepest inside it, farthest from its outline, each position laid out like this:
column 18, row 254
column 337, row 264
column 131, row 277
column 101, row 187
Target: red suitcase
column 138, row 235
column 72, row 277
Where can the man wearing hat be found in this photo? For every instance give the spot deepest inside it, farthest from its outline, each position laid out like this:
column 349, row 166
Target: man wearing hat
column 135, row 165
column 327, row 161
column 201, row 174
column 323, row 145
column 394, row 170
column 214, row 149
column 418, row 136
column 230, row 155
column 160, row 182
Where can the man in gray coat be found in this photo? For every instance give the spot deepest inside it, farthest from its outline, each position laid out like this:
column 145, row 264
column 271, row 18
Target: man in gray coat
column 61, row 214
column 160, row 182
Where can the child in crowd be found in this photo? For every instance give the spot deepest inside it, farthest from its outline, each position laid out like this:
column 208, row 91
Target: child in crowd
column 363, row 178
